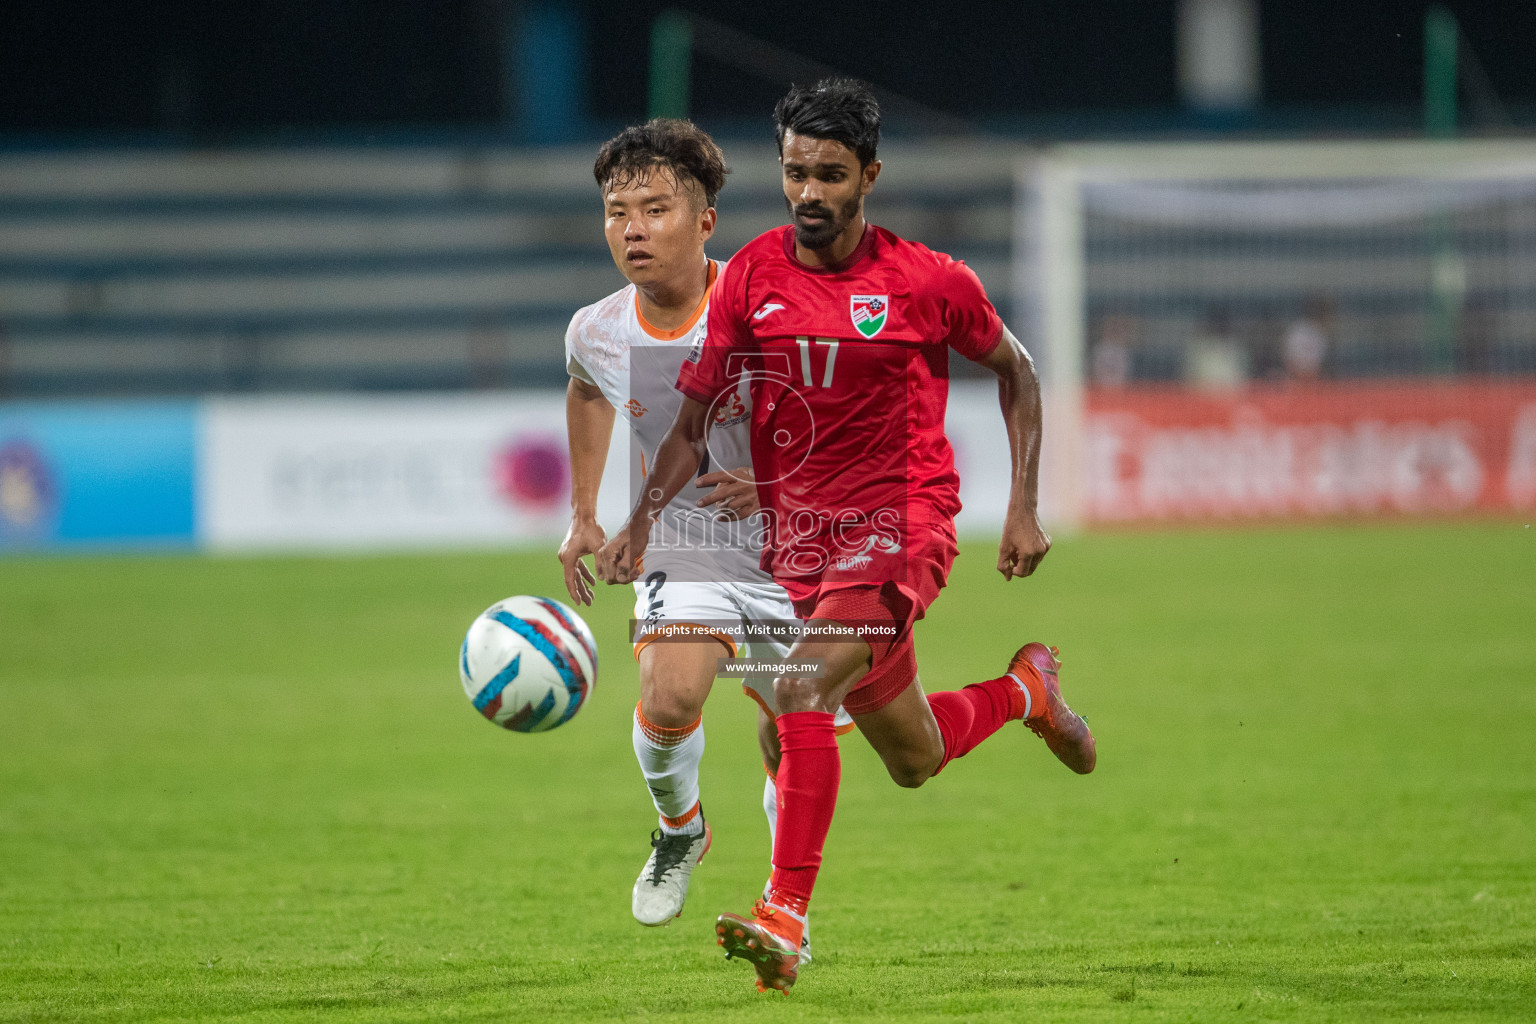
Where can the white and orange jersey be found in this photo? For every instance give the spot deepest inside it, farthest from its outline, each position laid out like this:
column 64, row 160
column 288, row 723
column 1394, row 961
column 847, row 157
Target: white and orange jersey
column 610, row 345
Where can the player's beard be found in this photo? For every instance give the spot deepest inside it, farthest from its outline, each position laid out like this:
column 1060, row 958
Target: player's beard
column 824, row 234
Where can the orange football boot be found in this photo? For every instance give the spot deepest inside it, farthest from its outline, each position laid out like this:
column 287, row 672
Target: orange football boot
column 770, row 939
column 1063, row 730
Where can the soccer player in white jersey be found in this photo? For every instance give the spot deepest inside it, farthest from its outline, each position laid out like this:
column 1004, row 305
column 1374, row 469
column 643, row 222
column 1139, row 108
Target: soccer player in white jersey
column 659, row 182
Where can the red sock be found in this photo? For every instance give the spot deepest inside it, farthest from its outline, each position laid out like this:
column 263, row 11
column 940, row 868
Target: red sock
column 968, row 716
column 809, row 772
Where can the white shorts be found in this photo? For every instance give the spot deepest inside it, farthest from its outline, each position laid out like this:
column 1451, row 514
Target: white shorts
column 741, row 616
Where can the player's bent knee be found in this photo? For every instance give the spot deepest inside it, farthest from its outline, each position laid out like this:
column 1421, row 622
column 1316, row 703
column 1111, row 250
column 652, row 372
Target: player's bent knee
column 672, row 695
column 670, row 710
column 791, row 693
column 912, row 762
column 910, row 773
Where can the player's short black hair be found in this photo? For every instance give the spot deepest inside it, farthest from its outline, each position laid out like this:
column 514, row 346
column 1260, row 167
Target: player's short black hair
column 681, row 147
column 841, row 109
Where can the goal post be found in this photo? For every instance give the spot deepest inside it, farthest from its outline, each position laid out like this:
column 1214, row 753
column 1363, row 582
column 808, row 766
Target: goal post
column 1049, row 295
column 1226, row 272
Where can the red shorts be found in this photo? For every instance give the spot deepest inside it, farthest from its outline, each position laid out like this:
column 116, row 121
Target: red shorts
column 881, row 611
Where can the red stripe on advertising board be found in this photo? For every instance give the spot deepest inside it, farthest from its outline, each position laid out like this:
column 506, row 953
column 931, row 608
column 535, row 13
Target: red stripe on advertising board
column 1320, row 450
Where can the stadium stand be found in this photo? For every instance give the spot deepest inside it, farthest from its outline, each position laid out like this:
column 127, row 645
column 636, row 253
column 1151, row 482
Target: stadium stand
column 167, row 271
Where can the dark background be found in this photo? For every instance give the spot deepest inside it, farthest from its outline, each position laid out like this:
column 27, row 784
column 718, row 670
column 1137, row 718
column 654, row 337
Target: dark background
column 218, row 67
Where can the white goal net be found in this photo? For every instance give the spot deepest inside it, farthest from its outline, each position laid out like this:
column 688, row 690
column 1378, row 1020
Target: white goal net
column 1247, row 307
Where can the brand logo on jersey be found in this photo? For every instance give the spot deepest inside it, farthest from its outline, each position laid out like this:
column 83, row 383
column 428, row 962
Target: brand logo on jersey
column 869, row 313
column 769, row 307
column 634, row 408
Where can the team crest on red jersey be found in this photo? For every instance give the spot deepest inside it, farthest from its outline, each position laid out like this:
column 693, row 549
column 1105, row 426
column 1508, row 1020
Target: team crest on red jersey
column 869, row 313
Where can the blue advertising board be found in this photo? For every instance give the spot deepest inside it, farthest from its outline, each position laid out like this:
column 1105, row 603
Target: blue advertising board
column 97, row 474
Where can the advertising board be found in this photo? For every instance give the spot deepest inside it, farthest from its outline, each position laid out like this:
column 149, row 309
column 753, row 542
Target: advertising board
column 374, row 472
column 95, row 474
column 1345, row 449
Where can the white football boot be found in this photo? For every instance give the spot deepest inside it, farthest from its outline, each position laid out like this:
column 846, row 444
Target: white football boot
column 663, row 883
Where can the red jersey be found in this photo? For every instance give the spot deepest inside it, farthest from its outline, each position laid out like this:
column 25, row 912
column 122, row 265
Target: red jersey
column 849, row 370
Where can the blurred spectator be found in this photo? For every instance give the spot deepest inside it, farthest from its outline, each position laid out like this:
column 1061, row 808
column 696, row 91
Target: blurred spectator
column 1214, row 357
column 1304, row 349
column 1111, row 356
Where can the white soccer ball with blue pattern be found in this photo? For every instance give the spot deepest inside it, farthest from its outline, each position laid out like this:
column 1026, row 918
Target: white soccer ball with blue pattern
column 528, row 663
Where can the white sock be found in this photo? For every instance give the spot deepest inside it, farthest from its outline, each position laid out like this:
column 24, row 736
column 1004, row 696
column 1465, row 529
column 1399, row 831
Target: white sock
column 669, row 760
column 771, row 808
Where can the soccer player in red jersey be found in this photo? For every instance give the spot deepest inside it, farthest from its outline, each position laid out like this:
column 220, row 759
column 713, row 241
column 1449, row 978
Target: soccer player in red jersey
column 843, row 330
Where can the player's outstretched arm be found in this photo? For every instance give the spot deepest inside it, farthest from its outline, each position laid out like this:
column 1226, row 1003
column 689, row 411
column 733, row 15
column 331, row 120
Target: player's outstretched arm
column 588, row 430
column 1024, row 542
column 677, row 460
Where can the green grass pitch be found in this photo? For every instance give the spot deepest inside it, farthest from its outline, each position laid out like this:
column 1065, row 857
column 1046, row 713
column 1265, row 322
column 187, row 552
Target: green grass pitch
column 251, row 789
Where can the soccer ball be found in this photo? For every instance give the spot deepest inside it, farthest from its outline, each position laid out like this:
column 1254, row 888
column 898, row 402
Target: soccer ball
column 528, row 663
